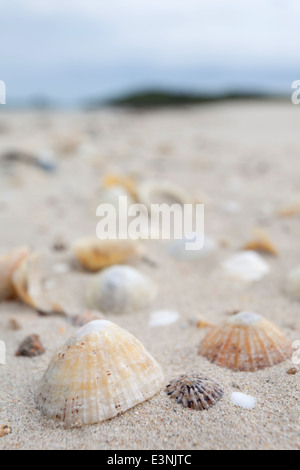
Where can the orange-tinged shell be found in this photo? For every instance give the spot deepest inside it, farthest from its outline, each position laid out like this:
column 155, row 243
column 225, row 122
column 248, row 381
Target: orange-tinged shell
column 99, row 373
column 245, row 342
column 94, row 254
column 261, row 242
column 8, row 264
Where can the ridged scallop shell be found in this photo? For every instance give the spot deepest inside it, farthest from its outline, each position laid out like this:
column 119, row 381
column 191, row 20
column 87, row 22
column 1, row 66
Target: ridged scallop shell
column 94, row 254
column 195, row 391
column 245, row 342
column 293, row 283
column 8, row 264
column 120, row 289
column 99, row 373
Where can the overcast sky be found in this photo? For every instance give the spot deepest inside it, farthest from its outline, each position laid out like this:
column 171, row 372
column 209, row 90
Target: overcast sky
column 71, row 50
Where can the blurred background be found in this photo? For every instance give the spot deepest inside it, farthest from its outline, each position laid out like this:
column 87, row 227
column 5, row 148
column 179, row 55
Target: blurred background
column 61, row 54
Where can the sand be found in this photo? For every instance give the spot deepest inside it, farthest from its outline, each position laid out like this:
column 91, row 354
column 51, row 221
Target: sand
column 242, row 160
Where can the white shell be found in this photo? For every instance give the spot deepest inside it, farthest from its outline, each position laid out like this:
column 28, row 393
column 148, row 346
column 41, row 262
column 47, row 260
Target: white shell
column 243, row 401
column 99, row 373
column 119, row 289
column 293, row 283
column 163, row 317
column 246, row 266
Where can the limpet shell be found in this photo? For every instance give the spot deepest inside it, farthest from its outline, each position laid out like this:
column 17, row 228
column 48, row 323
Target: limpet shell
column 99, row 373
column 95, row 254
column 120, row 289
column 245, row 342
column 8, row 264
column 195, row 391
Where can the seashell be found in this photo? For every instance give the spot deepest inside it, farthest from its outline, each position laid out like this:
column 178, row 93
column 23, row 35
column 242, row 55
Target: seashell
column 120, row 289
column 245, row 342
column 27, row 284
column 4, row 430
column 8, row 264
column 95, row 254
column 195, row 391
column 158, row 192
column 163, row 317
column 26, row 280
column 203, row 322
column 246, row 266
column 99, row 373
column 112, row 180
column 261, row 242
column 177, row 248
column 293, row 283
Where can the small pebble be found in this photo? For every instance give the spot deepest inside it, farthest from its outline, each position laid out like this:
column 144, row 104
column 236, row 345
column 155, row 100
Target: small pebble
column 31, row 347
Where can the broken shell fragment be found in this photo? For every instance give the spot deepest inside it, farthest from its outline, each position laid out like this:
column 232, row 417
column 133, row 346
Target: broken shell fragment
column 194, row 391
column 262, row 243
column 120, row 289
column 8, row 264
column 4, row 430
column 26, row 280
column 99, row 373
column 246, row 266
column 95, row 254
column 293, row 283
column 245, row 342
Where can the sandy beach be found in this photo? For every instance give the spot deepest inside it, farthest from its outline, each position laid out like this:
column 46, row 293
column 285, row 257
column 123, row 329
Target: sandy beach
column 241, row 160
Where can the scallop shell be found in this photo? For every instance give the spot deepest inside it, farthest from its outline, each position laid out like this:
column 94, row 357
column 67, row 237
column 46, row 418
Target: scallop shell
column 8, row 264
column 245, row 342
column 95, row 254
column 158, row 192
column 293, row 283
column 99, row 373
column 120, row 289
column 194, row 391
